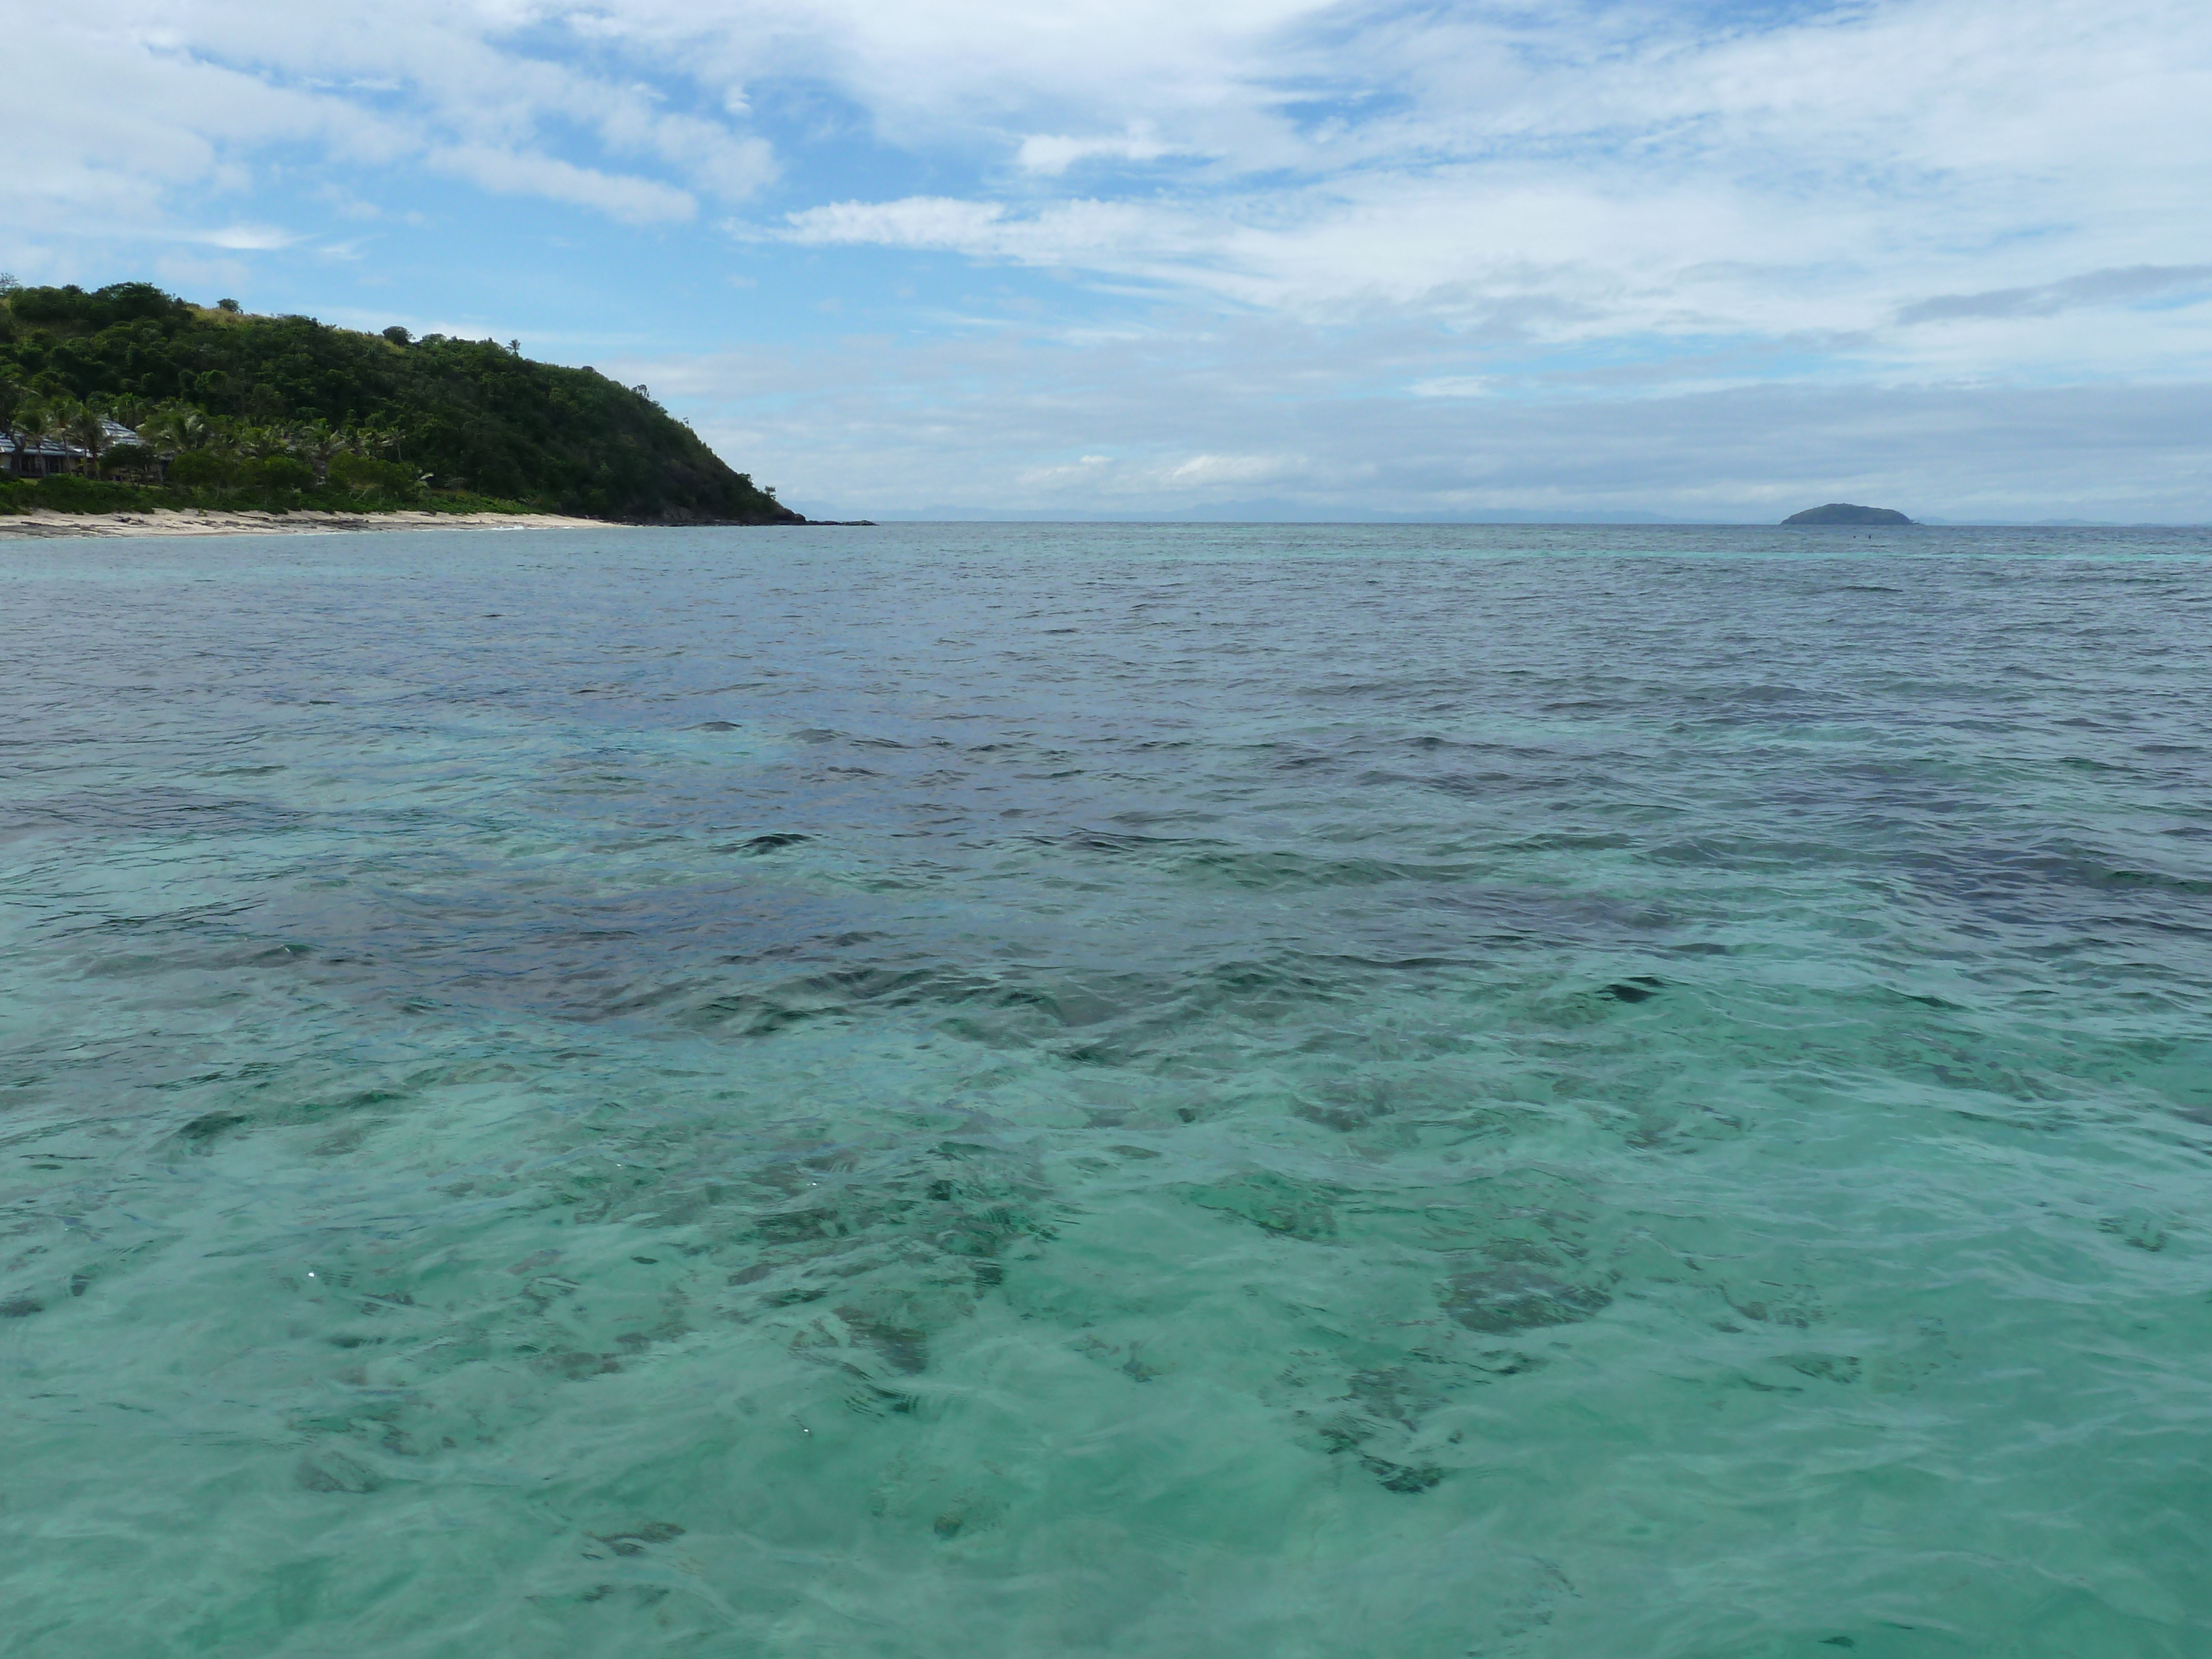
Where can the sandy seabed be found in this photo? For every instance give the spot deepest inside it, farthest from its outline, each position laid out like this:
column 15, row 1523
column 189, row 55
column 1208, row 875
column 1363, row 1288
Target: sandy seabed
column 193, row 521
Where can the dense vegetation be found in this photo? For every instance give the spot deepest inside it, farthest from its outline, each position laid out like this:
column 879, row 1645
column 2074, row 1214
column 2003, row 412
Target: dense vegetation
column 284, row 411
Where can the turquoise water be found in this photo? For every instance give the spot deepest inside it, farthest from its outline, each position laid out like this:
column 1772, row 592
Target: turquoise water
column 938, row 1092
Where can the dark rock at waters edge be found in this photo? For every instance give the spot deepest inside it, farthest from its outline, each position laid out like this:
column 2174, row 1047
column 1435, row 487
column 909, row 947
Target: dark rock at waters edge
column 1844, row 512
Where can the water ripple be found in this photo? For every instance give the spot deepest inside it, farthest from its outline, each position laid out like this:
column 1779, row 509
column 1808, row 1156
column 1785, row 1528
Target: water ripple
column 1395, row 1094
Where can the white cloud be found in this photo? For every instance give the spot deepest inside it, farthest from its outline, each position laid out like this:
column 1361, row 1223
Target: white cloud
column 1050, row 154
column 246, row 238
column 706, row 153
column 204, row 99
column 918, row 221
column 1200, row 471
column 632, row 200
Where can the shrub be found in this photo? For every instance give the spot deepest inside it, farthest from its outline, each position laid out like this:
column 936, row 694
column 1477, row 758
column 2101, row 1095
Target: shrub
column 131, row 458
column 68, row 493
column 199, row 468
column 285, row 472
column 362, row 473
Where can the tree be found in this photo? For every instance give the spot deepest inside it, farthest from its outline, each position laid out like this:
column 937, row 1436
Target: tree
column 262, row 442
column 33, row 424
column 375, row 440
column 319, row 441
column 285, row 472
column 136, row 459
column 176, row 427
column 87, row 428
column 364, row 476
column 14, row 394
column 200, row 468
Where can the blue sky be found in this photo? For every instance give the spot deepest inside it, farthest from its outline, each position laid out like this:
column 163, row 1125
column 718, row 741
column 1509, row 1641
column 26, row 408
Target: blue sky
column 1254, row 256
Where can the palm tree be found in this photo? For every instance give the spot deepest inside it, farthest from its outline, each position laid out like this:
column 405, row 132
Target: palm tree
column 262, row 442
column 13, row 395
column 176, row 426
column 371, row 439
column 319, row 440
column 87, row 428
column 33, row 424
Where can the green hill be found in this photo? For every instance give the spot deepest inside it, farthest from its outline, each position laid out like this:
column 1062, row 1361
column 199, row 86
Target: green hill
column 288, row 410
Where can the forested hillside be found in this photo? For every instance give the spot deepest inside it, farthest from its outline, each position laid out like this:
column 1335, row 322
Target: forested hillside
column 257, row 405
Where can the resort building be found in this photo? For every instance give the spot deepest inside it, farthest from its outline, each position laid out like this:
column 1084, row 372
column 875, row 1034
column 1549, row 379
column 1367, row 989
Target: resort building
column 36, row 459
column 43, row 458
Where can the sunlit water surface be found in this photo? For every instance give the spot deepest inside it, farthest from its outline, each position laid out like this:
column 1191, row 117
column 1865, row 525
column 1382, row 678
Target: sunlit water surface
column 990, row 1092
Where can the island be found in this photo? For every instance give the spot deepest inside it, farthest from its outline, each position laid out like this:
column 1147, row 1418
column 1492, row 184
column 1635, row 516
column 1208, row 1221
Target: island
column 126, row 400
column 1846, row 513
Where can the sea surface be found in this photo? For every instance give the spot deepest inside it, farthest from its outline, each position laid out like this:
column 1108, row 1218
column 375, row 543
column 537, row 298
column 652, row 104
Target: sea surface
column 1023, row 1092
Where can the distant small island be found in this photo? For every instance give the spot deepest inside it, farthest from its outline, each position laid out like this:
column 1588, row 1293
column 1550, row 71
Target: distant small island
column 1844, row 512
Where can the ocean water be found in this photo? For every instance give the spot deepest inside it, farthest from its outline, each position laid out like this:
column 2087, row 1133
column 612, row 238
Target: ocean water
column 932, row 1092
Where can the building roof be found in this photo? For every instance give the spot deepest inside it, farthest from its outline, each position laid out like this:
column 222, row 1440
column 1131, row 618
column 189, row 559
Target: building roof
column 117, row 434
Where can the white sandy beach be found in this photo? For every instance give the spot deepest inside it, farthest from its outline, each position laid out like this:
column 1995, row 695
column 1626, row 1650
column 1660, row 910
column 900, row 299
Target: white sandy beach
column 197, row 522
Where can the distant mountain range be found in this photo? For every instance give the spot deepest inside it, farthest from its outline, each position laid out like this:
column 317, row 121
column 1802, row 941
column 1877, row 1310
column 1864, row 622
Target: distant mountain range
column 1251, row 513
column 1277, row 512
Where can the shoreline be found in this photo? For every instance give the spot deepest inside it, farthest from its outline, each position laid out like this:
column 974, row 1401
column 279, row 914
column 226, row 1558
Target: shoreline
column 201, row 521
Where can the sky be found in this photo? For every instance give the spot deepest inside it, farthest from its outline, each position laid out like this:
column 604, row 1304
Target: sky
column 1215, row 257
